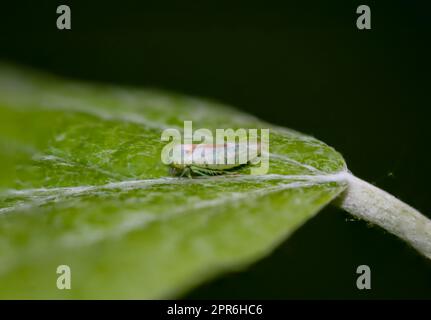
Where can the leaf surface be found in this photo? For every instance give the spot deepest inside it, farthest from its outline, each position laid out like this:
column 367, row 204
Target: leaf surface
column 82, row 184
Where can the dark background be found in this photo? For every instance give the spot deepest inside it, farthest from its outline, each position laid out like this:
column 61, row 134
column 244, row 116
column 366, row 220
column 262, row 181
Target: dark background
column 300, row 64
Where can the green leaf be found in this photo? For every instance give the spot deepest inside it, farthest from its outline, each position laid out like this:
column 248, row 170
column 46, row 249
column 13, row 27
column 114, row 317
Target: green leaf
column 82, row 184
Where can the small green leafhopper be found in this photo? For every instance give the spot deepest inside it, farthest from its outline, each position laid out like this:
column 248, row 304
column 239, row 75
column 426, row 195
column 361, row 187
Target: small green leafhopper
column 211, row 159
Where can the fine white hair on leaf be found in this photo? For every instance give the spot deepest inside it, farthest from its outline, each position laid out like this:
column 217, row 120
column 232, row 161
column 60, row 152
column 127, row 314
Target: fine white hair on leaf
column 372, row 204
column 41, row 196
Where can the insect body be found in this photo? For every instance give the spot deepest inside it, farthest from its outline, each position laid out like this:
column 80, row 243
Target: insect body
column 211, row 159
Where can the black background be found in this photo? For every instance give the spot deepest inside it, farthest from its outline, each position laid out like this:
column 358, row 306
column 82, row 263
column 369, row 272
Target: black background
column 300, row 64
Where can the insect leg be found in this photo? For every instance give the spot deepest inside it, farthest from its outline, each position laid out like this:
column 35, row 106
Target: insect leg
column 199, row 172
column 185, row 170
column 206, row 172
